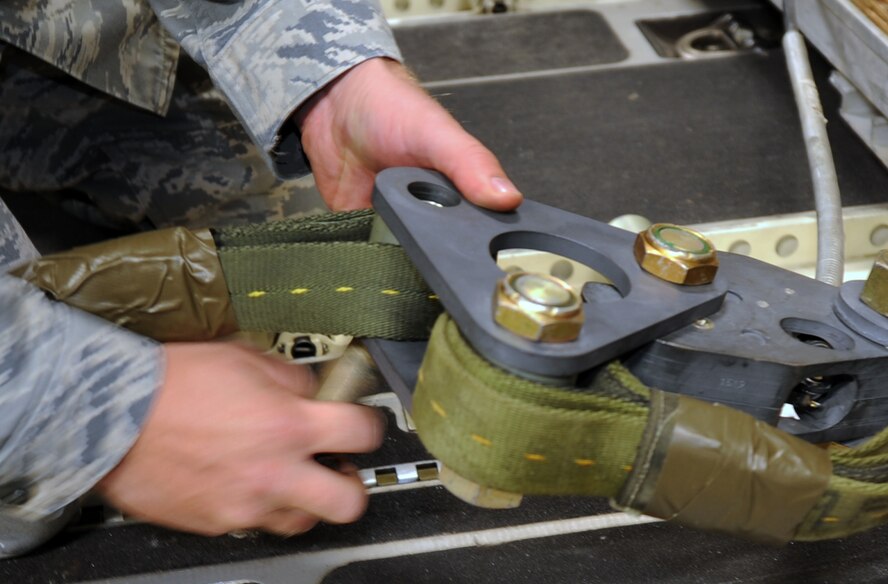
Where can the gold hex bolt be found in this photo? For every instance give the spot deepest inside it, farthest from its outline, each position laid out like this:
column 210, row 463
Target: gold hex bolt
column 538, row 307
column 875, row 290
column 676, row 254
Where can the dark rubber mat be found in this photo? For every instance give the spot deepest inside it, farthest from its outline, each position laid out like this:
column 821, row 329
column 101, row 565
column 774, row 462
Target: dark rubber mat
column 508, row 43
column 683, row 141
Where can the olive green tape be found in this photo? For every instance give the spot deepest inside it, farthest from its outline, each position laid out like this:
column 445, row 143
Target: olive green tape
column 512, row 434
column 722, row 470
column 165, row 284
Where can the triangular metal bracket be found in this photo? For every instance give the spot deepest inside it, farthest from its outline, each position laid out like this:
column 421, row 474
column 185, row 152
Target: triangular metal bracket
column 454, row 243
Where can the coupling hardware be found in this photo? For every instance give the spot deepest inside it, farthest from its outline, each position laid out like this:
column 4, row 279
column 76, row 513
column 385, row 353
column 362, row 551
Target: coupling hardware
column 676, row 254
column 875, row 290
column 538, row 307
column 475, row 494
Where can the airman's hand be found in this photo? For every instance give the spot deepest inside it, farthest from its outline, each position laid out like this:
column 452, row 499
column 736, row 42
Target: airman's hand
column 230, row 444
column 376, row 116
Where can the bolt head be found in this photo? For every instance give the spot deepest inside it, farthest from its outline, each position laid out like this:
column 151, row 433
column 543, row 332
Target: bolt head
column 875, row 291
column 538, row 307
column 676, row 254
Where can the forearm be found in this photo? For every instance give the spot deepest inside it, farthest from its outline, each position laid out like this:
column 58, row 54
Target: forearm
column 74, row 392
column 269, row 56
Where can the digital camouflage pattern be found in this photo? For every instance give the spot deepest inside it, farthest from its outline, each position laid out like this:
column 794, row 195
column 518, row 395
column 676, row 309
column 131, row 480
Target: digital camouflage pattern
column 194, row 167
column 70, row 410
column 269, row 56
column 15, row 246
column 265, row 56
column 74, row 391
column 118, row 47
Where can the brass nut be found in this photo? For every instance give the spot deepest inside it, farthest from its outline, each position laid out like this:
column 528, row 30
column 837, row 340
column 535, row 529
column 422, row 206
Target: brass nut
column 676, row 254
column 538, row 307
column 875, row 291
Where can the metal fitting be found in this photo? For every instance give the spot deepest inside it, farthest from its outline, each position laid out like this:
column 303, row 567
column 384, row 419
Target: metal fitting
column 348, row 378
column 875, row 291
column 538, row 307
column 676, row 254
column 475, row 494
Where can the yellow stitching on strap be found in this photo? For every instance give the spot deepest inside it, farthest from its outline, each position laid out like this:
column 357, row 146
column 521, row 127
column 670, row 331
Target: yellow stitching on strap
column 257, row 294
column 299, row 290
column 584, row 461
column 533, row 457
column 481, row 440
column 438, row 409
column 344, row 289
column 391, row 292
column 433, row 296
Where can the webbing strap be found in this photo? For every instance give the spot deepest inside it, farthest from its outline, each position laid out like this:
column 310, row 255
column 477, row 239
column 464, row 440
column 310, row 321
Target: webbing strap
column 320, row 274
column 856, row 498
column 512, row 434
column 345, row 226
column 509, row 433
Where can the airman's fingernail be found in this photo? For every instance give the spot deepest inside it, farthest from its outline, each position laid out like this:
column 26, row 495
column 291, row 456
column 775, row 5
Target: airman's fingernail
column 504, row 186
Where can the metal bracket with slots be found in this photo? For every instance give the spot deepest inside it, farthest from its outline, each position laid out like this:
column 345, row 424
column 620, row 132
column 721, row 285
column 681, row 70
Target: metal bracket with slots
column 397, row 476
column 454, row 244
column 775, row 339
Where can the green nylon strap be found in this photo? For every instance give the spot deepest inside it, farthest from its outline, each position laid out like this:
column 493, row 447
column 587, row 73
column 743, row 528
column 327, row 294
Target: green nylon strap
column 320, row 274
column 345, row 226
column 512, row 434
column 856, row 498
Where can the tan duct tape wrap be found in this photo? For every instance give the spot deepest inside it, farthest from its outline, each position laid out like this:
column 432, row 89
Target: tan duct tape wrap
column 712, row 467
column 166, row 284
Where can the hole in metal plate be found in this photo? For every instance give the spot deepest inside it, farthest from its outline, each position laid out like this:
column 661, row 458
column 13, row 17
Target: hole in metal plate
column 436, row 195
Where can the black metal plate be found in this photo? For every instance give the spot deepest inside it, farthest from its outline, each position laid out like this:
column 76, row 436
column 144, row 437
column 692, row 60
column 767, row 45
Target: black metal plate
column 454, row 248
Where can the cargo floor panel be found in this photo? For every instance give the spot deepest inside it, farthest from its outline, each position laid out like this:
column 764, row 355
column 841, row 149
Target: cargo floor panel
column 509, row 43
column 662, row 553
column 682, row 141
column 395, row 516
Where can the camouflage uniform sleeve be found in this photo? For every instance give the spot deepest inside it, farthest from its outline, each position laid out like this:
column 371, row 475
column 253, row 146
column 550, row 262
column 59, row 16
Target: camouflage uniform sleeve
column 74, row 391
column 268, row 56
column 115, row 46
